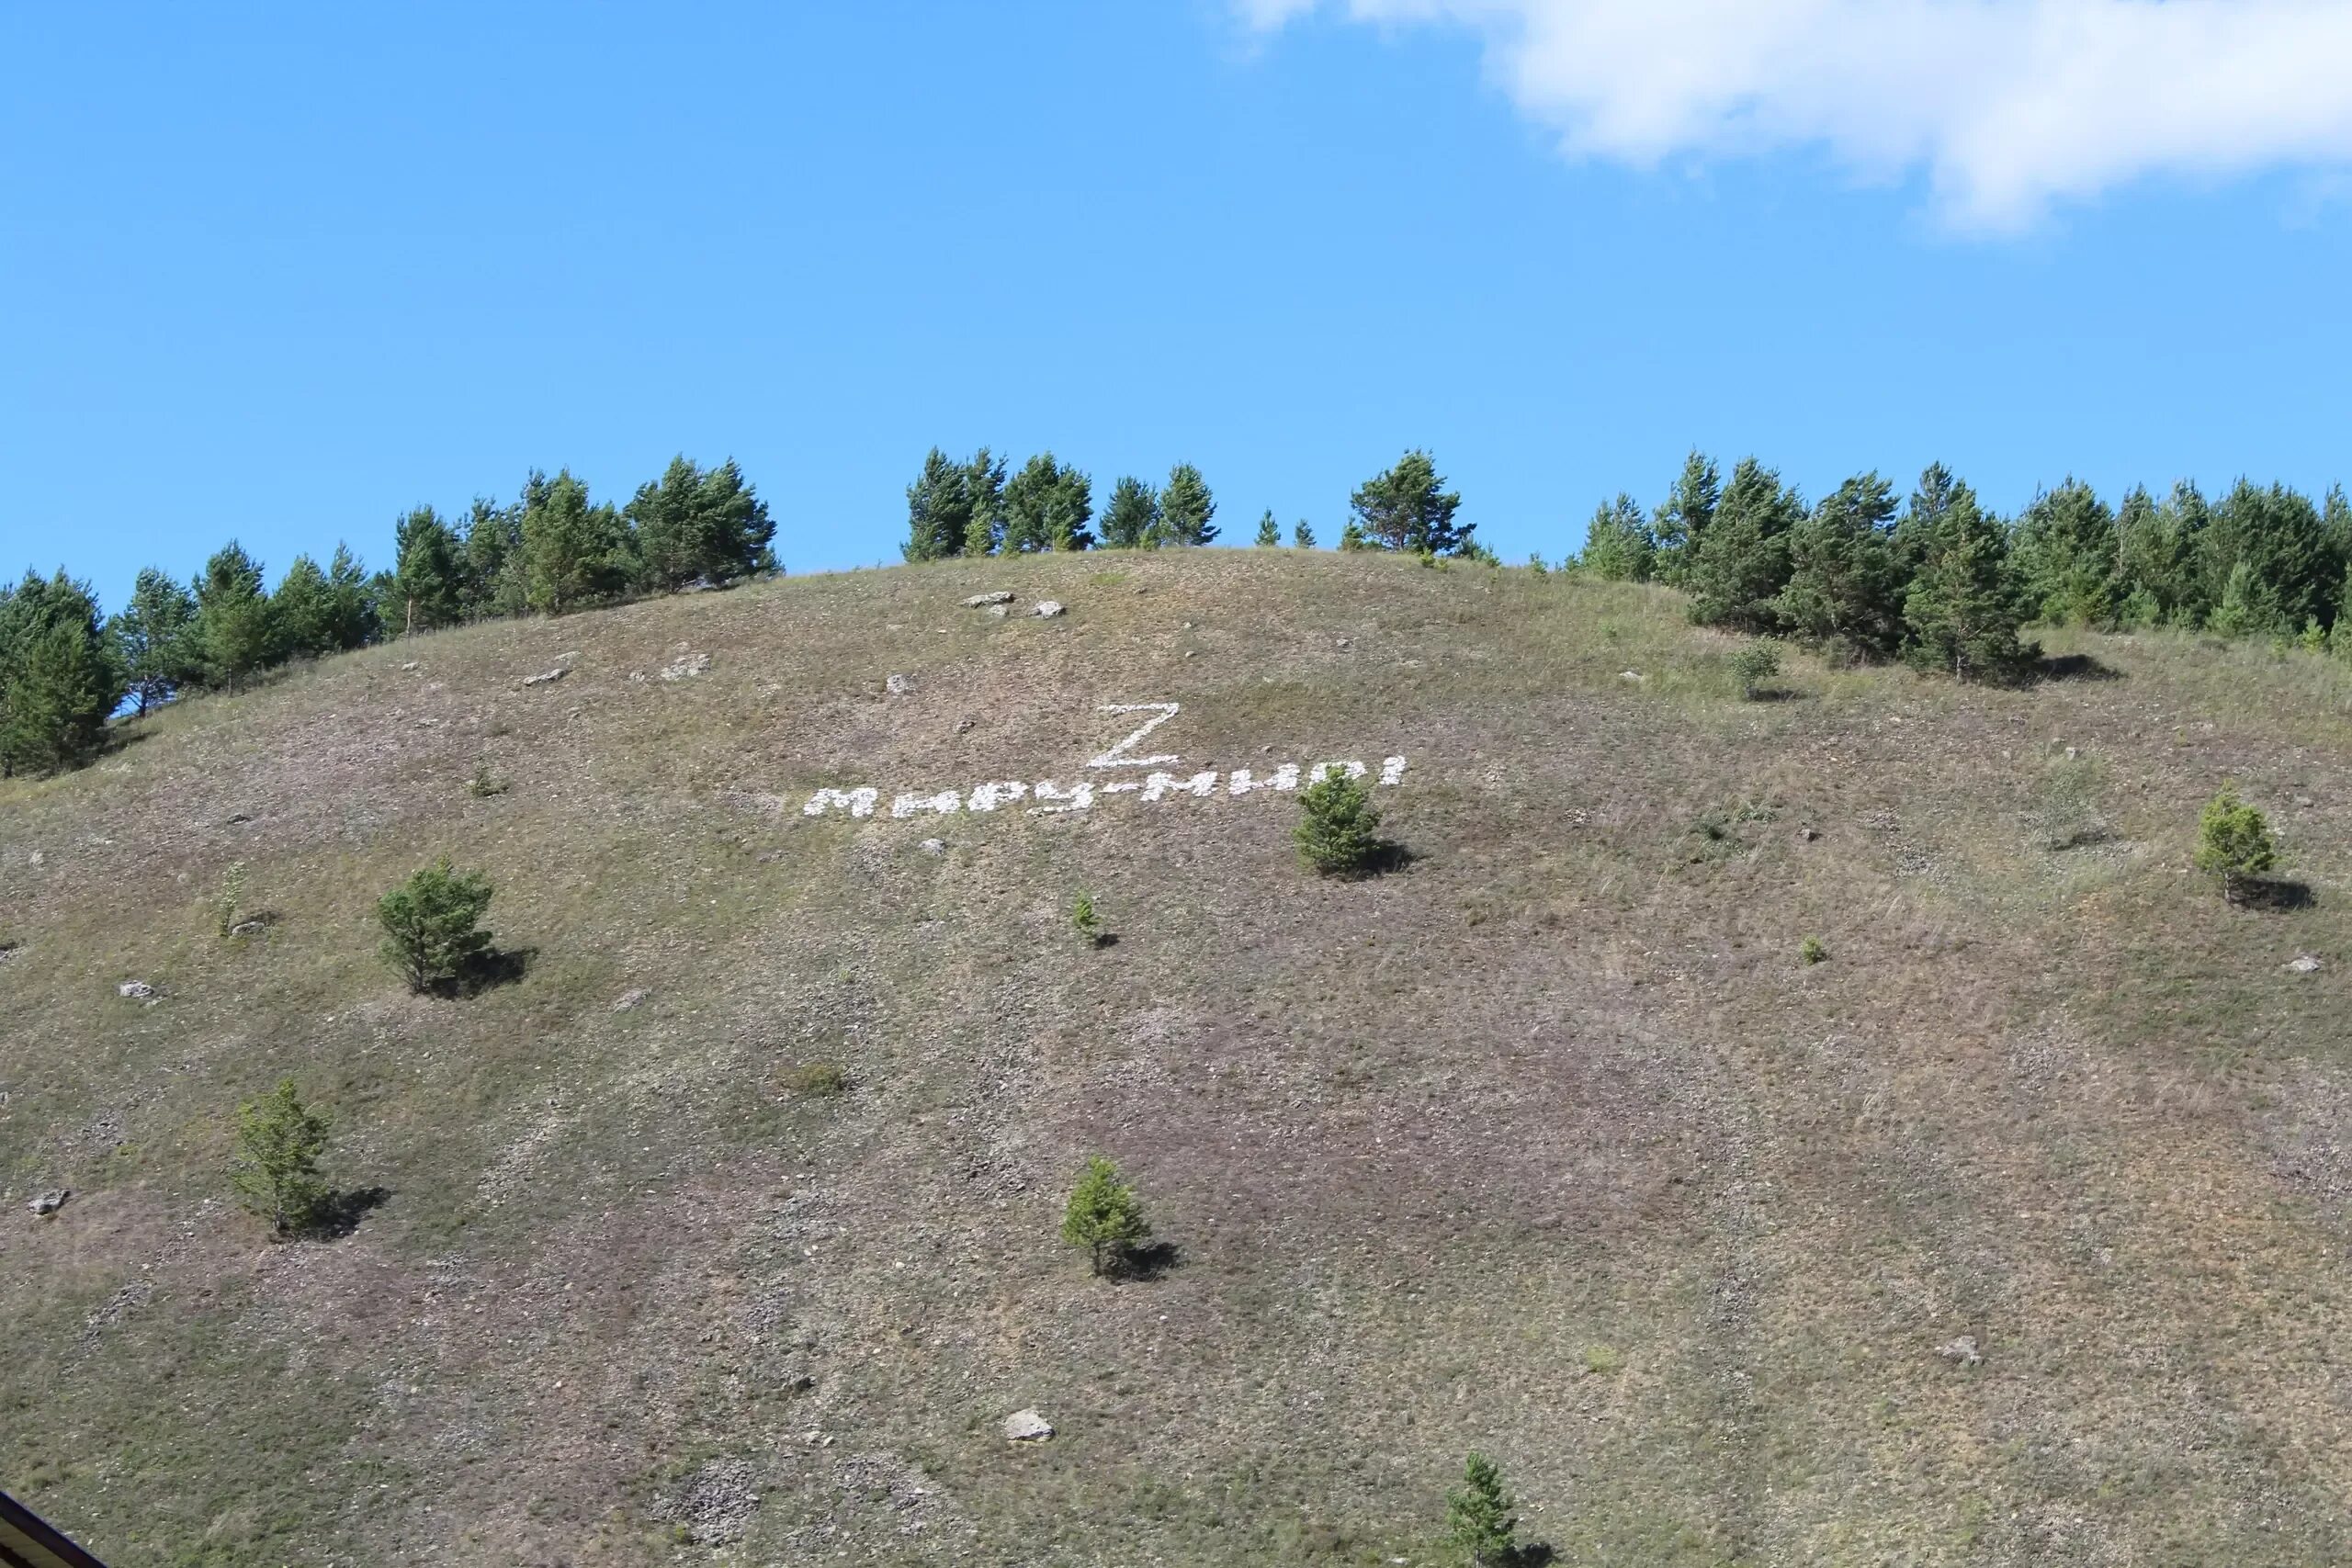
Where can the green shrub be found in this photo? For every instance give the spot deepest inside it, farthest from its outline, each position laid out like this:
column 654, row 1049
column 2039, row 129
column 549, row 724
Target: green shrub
column 1755, row 663
column 1085, row 922
column 1812, row 949
column 1339, row 828
column 816, row 1080
column 1104, row 1215
column 2234, row 838
column 276, row 1172
column 432, row 926
column 1480, row 1520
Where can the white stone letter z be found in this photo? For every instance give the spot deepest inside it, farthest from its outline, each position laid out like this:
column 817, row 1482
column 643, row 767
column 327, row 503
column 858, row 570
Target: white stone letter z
column 1117, row 757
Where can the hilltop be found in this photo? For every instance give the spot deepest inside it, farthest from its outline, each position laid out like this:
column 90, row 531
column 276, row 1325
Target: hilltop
column 2013, row 1231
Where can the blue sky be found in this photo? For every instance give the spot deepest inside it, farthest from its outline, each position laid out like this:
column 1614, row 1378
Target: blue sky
column 281, row 272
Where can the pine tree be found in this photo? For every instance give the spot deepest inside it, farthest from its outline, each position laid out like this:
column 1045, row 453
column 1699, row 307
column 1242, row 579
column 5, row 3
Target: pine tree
column 1408, row 508
column 276, row 1172
column 154, row 638
column 353, row 617
column 490, row 563
column 1270, row 533
column 2067, row 556
column 235, row 628
column 1739, row 562
column 1302, row 537
column 1132, row 516
column 1481, row 1520
column 1351, row 535
column 2279, row 537
column 1047, row 507
column 1185, row 508
column 1843, row 589
column 1618, row 544
column 1963, row 606
column 574, row 554
column 697, row 525
column 984, row 490
column 428, row 575
column 59, row 679
column 939, row 509
column 1684, row 517
column 303, row 607
column 2156, row 562
column 1104, row 1215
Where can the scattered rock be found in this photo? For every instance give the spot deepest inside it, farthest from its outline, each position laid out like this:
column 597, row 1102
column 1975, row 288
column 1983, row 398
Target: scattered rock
column 546, row 677
column 999, row 612
column 137, row 990
column 2303, row 802
column 410, row 665
column 2305, row 964
column 685, row 668
column 1808, row 834
column 1027, row 1427
column 49, row 1202
column 980, row 601
column 715, row 1505
column 251, row 925
column 236, row 817
column 933, row 846
column 631, row 998
column 1634, row 675
column 898, row 687
column 1046, row 609
column 1963, row 1349
column 35, row 858
column 1344, row 643
column 963, row 726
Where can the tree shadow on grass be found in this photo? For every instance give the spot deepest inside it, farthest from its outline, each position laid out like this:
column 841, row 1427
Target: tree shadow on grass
column 2072, row 667
column 498, row 966
column 2275, row 894
column 1149, row 1262
column 340, row 1212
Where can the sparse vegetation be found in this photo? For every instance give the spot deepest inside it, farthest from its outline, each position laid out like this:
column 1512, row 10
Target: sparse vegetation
column 2069, row 792
column 1481, row 1518
column 433, row 926
column 2234, row 839
column 229, row 900
column 276, row 1171
column 1339, row 827
column 485, row 782
column 1813, row 949
column 1104, row 1217
column 1556, row 1088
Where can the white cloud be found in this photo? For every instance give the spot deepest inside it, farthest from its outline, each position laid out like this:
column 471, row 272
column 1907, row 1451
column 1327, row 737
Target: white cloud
column 2008, row 106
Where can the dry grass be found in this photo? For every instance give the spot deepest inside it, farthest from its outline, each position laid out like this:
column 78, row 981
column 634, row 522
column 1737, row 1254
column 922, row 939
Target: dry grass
column 1545, row 1145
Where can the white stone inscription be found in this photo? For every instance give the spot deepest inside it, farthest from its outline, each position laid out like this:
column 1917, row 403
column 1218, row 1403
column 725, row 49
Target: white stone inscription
column 1051, row 797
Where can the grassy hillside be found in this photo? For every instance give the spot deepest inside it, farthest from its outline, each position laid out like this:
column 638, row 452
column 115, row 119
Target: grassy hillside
column 1547, row 1144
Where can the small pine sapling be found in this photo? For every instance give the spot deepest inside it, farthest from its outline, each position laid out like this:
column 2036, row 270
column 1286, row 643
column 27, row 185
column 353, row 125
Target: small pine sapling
column 1754, row 664
column 1104, row 1215
column 1085, row 922
column 433, row 932
column 1481, row 1521
column 1339, row 827
column 2234, row 840
column 276, row 1172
